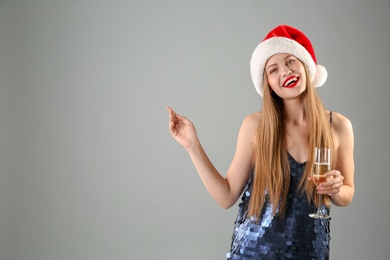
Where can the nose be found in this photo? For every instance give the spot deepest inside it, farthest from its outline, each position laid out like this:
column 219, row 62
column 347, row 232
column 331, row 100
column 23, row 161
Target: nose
column 287, row 71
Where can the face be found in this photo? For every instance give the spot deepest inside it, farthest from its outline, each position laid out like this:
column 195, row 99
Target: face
column 286, row 75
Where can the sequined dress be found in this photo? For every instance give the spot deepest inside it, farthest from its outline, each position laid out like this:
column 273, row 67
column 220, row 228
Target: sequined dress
column 296, row 236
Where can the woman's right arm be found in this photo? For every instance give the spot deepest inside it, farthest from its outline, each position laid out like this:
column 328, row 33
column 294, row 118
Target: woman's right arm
column 225, row 191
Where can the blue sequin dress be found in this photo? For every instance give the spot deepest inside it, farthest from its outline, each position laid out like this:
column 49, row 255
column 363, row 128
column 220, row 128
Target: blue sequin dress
column 296, row 236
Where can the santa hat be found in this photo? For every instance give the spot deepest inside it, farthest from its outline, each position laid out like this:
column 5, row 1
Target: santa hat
column 286, row 39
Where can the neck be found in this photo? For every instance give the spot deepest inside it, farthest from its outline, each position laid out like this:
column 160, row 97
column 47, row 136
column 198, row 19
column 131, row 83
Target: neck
column 294, row 111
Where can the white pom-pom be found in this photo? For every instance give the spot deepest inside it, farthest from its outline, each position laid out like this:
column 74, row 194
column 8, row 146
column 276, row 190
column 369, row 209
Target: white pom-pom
column 320, row 77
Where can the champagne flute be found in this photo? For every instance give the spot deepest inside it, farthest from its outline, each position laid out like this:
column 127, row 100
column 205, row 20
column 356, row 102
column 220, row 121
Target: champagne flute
column 321, row 166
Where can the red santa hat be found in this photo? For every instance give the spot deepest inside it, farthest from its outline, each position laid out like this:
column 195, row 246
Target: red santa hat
column 286, row 39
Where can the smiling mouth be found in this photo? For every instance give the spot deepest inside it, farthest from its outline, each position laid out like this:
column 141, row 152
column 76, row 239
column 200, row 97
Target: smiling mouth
column 291, row 82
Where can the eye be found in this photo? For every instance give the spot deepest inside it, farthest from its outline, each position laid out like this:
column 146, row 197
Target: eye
column 290, row 61
column 273, row 70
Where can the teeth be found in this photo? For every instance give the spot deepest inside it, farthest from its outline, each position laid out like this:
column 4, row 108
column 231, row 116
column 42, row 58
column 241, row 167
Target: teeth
column 290, row 81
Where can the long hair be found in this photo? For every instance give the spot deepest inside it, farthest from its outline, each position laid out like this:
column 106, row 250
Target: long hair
column 271, row 172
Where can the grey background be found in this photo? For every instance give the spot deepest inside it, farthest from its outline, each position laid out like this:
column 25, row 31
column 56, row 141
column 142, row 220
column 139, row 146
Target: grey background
column 88, row 168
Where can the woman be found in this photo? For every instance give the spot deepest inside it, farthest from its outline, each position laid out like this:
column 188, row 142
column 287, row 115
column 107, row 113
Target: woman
column 272, row 164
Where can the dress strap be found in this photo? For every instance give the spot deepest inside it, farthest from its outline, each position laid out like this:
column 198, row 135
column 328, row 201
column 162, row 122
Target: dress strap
column 330, row 118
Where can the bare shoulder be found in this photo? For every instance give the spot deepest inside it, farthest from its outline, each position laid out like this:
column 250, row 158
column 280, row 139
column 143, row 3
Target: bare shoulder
column 341, row 124
column 342, row 132
column 250, row 124
column 253, row 118
column 251, row 121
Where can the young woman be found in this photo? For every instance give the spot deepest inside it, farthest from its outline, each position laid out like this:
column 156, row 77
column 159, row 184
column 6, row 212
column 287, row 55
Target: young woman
column 272, row 165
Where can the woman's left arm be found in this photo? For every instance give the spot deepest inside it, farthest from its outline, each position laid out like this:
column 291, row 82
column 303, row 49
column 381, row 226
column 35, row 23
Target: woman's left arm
column 340, row 185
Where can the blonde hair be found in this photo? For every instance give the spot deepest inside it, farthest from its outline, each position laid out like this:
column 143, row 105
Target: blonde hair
column 271, row 178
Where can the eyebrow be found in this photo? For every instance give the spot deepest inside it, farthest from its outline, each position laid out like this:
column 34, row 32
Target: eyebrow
column 283, row 60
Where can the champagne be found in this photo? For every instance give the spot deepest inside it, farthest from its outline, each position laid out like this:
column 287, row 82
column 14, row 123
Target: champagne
column 318, row 174
column 321, row 166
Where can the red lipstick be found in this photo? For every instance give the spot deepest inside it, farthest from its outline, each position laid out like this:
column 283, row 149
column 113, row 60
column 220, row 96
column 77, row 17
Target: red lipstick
column 291, row 82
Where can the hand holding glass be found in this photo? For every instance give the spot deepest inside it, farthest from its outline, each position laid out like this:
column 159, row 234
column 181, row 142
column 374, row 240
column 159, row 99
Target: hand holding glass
column 321, row 166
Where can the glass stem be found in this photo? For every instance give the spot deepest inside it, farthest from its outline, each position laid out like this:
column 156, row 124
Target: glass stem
column 319, row 204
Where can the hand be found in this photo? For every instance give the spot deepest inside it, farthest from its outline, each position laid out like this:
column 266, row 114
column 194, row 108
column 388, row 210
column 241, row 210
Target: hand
column 182, row 129
column 334, row 181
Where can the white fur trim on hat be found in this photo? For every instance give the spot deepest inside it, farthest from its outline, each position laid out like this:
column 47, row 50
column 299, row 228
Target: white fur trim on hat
column 275, row 45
